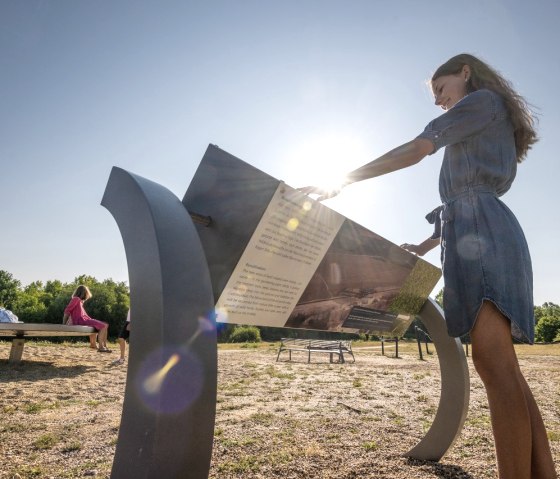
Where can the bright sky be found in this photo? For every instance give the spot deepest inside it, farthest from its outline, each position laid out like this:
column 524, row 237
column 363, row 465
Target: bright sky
column 293, row 87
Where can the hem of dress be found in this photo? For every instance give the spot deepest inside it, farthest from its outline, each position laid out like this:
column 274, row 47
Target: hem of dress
column 521, row 336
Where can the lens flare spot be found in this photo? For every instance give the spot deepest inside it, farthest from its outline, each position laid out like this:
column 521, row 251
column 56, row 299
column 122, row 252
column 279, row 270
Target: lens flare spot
column 152, row 384
column 170, row 379
column 292, row 224
column 307, row 206
column 205, row 324
column 470, row 247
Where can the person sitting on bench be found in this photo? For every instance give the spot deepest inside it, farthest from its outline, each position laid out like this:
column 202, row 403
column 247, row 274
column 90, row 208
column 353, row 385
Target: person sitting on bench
column 75, row 314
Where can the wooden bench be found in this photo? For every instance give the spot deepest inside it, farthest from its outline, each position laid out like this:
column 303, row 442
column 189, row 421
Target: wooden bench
column 309, row 346
column 20, row 331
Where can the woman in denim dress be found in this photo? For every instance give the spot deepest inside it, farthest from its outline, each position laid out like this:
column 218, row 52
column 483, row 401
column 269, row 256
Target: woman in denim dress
column 486, row 130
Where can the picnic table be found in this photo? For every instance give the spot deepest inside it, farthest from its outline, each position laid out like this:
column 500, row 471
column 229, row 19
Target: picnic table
column 20, row 331
column 338, row 348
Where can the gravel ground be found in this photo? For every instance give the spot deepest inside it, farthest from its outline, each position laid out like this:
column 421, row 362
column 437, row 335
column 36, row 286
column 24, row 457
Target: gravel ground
column 60, row 412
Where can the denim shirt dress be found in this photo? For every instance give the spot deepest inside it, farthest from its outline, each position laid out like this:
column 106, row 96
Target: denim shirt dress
column 484, row 253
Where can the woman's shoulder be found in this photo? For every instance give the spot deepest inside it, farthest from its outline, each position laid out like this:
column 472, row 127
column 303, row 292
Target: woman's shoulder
column 482, row 96
column 482, row 102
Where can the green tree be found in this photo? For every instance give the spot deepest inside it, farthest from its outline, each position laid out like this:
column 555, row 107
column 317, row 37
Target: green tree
column 51, row 291
column 9, row 287
column 89, row 281
column 547, row 328
column 547, row 309
column 29, row 307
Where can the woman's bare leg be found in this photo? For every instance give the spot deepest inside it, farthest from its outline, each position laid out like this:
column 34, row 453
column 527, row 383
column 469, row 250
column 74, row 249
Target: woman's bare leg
column 93, row 340
column 542, row 464
column 519, row 434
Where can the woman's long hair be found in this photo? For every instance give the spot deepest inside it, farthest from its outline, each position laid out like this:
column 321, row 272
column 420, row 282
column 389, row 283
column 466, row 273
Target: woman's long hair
column 484, row 76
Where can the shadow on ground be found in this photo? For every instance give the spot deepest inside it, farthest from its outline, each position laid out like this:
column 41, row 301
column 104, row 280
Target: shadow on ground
column 446, row 471
column 38, row 371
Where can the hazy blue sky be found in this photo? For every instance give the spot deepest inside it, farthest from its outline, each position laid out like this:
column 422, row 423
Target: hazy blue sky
column 296, row 88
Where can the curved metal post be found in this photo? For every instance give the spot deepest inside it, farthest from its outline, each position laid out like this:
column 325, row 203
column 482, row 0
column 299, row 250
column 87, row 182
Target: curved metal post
column 167, row 424
column 455, row 388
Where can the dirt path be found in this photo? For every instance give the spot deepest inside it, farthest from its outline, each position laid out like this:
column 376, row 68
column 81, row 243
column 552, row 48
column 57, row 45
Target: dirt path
column 60, row 412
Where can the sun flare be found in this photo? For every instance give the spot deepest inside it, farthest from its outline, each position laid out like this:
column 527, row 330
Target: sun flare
column 325, row 159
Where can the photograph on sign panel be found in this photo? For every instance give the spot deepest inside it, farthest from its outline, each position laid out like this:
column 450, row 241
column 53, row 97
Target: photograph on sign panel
column 357, row 282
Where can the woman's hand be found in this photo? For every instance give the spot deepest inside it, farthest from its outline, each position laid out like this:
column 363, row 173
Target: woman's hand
column 414, row 248
column 422, row 248
column 323, row 193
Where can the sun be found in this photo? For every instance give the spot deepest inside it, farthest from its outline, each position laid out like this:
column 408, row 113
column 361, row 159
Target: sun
column 324, row 160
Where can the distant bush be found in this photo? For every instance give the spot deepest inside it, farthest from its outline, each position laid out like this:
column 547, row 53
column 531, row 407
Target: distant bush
column 547, row 329
column 245, row 334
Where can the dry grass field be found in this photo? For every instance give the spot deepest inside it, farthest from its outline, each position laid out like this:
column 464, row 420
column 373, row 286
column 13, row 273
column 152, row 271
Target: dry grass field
column 60, row 412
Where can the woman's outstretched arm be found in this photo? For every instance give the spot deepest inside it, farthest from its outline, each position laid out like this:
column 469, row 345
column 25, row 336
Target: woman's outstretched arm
column 401, row 157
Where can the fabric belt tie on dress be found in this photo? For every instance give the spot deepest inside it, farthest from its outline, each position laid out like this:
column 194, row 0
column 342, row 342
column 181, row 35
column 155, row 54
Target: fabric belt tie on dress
column 435, row 216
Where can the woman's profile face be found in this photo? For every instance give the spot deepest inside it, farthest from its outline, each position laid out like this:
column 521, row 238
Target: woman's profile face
column 449, row 89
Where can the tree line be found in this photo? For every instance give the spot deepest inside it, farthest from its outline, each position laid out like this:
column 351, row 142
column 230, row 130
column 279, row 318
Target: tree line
column 40, row 302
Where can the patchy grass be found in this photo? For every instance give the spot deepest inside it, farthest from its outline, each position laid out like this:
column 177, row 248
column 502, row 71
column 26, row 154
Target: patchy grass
column 36, row 408
column 60, row 412
column 274, row 372
column 244, row 464
column 370, row 446
column 72, row 446
column 46, row 441
column 30, row 471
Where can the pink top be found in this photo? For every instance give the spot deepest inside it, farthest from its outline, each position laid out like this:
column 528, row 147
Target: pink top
column 76, row 311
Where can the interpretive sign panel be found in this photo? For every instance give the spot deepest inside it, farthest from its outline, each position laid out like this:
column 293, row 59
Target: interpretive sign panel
column 289, row 261
column 284, row 252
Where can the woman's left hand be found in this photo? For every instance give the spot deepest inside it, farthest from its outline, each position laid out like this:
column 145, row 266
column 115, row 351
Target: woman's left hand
column 422, row 248
column 323, row 193
column 413, row 248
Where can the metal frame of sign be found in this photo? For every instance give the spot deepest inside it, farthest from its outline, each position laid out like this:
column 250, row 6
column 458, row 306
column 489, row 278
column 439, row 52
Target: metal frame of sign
column 169, row 408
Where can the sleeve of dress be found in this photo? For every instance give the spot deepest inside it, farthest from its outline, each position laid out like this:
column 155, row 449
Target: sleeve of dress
column 468, row 117
column 71, row 305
